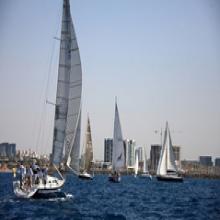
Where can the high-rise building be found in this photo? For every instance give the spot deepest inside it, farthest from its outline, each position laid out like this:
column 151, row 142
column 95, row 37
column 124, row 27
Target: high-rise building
column 7, row 150
column 154, row 157
column 139, row 151
column 205, row 160
column 130, row 157
column 3, row 149
column 217, row 162
column 176, row 152
column 108, row 145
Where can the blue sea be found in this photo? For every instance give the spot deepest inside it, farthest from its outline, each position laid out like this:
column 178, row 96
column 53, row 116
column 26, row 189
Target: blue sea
column 132, row 199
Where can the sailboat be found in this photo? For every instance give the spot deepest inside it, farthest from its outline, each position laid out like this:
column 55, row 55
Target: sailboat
column 136, row 166
column 88, row 155
column 67, row 120
column 145, row 173
column 167, row 170
column 118, row 156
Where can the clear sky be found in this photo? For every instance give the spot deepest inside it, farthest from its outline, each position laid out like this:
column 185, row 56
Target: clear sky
column 160, row 58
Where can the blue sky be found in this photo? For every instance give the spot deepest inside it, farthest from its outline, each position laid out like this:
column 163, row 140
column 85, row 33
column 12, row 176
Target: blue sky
column 160, row 58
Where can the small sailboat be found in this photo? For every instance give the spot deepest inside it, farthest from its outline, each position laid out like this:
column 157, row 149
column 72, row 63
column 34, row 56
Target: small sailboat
column 145, row 173
column 167, row 170
column 88, row 155
column 136, row 166
column 118, row 156
column 67, row 120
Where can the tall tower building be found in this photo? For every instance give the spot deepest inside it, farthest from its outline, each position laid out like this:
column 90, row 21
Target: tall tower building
column 108, row 145
column 154, row 157
column 130, row 157
column 139, row 151
column 7, row 150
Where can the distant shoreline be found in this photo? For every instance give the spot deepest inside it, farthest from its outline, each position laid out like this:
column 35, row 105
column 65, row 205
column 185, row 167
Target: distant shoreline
column 106, row 172
column 6, row 171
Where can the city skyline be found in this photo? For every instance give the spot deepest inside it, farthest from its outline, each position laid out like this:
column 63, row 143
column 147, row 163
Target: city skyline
column 160, row 59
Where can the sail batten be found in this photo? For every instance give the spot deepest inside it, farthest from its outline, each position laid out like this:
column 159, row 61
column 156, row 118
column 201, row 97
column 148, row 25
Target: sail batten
column 67, row 125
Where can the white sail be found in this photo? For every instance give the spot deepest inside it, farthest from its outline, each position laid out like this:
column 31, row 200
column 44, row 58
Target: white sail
column 166, row 162
column 136, row 163
column 67, row 124
column 88, row 156
column 145, row 168
column 118, row 157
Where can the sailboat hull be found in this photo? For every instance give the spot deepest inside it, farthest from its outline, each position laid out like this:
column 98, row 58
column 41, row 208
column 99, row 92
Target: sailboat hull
column 49, row 190
column 145, row 176
column 85, row 176
column 49, row 194
column 170, row 178
column 114, row 178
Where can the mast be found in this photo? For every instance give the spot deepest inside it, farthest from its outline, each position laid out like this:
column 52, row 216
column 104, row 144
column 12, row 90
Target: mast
column 67, row 122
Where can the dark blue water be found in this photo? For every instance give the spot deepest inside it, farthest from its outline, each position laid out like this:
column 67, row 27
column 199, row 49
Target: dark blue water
column 131, row 199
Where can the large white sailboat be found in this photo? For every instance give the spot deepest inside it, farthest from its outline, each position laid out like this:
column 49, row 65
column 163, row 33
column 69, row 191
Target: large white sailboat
column 88, row 155
column 145, row 173
column 118, row 155
column 166, row 170
column 67, row 120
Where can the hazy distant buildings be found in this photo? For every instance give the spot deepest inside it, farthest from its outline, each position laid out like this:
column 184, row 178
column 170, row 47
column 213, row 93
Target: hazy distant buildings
column 217, row 162
column 154, row 157
column 130, row 157
column 176, row 151
column 108, row 145
column 139, row 151
column 7, row 150
column 205, row 160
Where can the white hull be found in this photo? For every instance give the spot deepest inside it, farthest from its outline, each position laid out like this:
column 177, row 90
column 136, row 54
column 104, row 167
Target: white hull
column 52, row 185
column 170, row 178
column 85, row 175
column 145, row 175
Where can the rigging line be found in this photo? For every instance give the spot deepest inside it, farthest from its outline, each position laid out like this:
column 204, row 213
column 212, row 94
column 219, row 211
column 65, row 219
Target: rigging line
column 46, row 89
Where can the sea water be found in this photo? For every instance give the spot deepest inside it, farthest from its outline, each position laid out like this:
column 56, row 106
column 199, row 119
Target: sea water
column 133, row 199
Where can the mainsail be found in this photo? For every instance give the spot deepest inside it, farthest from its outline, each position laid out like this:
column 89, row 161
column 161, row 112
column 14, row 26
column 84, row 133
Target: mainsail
column 136, row 163
column 67, row 122
column 88, row 156
column 118, row 157
column 166, row 162
column 145, row 169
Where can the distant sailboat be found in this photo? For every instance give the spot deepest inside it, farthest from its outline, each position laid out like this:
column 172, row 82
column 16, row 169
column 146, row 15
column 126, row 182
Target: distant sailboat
column 88, row 155
column 145, row 173
column 118, row 156
column 67, row 121
column 136, row 166
column 167, row 170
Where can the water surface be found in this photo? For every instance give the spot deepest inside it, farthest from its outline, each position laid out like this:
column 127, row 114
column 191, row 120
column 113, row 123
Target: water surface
column 132, row 199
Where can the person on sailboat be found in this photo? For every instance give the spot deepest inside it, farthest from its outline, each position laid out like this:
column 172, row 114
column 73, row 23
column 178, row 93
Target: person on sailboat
column 35, row 169
column 22, row 175
column 44, row 171
column 29, row 175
